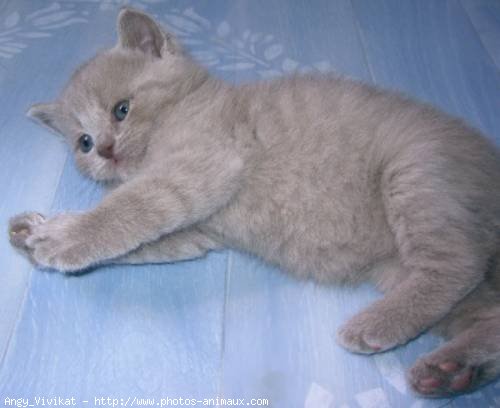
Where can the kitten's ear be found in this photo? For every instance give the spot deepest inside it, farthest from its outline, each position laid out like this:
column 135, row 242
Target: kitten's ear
column 138, row 31
column 48, row 115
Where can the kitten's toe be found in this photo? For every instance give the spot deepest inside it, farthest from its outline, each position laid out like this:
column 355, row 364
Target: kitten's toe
column 378, row 328
column 438, row 376
column 365, row 334
column 21, row 228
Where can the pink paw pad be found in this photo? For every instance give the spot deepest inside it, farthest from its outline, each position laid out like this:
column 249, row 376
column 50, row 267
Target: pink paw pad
column 461, row 381
column 430, row 382
column 449, row 366
column 374, row 347
column 448, row 377
column 429, row 385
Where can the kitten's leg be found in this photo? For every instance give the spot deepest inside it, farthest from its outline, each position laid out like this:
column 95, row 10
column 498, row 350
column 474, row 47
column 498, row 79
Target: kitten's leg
column 137, row 212
column 471, row 357
column 181, row 245
column 443, row 250
column 178, row 246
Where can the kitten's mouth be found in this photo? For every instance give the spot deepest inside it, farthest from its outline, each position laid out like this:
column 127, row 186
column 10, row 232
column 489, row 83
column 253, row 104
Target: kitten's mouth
column 114, row 160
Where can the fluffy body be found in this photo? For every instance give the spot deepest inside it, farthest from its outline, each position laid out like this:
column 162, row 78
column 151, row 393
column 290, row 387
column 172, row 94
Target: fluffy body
column 328, row 178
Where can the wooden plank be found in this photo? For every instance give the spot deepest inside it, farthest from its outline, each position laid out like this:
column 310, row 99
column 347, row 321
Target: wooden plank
column 31, row 161
column 485, row 17
column 148, row 331
column 139, row 331
column 280, row 333
column 431, row 51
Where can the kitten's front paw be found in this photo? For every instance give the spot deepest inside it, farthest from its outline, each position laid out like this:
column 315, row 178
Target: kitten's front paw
column 20, row 228
column 372, row 331
column 56, row 243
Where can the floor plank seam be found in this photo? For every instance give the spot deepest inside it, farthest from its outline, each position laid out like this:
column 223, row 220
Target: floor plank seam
column 17, row 320
column 227, row 278
column 362, row 42
column 474, row 28
column 28, row 285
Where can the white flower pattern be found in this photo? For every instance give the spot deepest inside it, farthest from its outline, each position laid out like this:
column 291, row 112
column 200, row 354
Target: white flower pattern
column 117, row 4
column 220, row 46
column 214, row 44
column 16, row 30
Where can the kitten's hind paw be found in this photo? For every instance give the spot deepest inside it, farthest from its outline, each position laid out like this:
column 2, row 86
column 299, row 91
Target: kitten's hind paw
column 467, row 361
column 21, row 228
column 437, row 376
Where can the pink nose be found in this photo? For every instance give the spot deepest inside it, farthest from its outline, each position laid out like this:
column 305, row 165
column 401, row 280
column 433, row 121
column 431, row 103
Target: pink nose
column 106, row 150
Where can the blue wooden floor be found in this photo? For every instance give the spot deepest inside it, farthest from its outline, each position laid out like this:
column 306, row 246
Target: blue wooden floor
column 225, row 325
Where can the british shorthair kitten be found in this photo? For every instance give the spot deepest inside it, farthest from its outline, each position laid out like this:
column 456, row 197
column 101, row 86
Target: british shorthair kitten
column 328, row 178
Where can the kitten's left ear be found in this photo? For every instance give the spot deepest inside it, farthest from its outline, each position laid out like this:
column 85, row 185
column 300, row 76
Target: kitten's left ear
column 137, row 30
column 49, row 115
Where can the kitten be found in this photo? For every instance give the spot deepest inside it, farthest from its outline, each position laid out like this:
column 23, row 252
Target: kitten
column 327, row 178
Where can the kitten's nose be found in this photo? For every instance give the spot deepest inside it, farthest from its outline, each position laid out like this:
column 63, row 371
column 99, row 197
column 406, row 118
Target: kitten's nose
column 106, row 150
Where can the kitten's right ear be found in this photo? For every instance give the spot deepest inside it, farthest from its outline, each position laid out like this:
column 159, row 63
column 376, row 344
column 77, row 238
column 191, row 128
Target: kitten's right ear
column 48, row 115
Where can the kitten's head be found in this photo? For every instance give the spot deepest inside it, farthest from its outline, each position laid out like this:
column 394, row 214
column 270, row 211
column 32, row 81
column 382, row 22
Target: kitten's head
column 113, row 103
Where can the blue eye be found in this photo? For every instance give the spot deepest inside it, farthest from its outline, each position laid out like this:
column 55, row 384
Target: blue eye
column 120, row 110
column 85, row 143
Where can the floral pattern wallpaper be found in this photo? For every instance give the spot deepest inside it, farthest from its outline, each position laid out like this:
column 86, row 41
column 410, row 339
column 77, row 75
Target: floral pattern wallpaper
column 215, row 44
